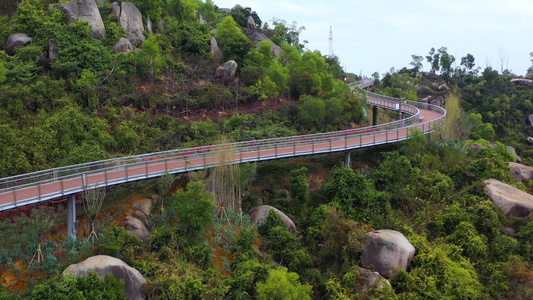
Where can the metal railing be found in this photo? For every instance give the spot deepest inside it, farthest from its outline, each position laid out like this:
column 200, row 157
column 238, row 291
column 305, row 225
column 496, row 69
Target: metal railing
column 58, row 182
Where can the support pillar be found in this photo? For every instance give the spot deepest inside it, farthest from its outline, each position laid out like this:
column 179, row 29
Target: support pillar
column 71, row 216
column 400, row 109
column 213, row 181
column 374, row 116
column 347, row 161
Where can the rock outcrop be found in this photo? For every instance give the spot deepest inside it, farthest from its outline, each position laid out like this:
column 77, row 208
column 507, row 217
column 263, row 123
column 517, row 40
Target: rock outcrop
column 53, row 54
column 131, row 20
column 135, row 227
column 225, row 73
column 369, row 280
column 144, row 206
column 137, row 222
column 250, row 23
column 521, row 172
column 511, row 200
column 513, row 152
column 476, row 147
column 85, row 10
column 529, row 120
column 256, row 36
column 17, row 40
column 259, row 214
column 103, row 264
column 386, row 250
column 508, row 231
column 149, row 25
column 123, row 46
column 217, row 54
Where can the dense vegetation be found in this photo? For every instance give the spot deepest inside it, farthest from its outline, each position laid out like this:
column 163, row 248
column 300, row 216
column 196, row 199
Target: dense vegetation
column 92, row 104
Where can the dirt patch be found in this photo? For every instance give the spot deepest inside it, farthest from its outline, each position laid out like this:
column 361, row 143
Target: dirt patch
column 215, row 114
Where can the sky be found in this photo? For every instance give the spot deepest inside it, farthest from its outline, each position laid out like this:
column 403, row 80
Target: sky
column 377, row 35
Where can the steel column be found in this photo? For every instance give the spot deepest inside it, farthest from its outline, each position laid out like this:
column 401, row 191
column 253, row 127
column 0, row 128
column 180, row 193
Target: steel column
column 71, row 216
column 347, row 161
column 374, row 115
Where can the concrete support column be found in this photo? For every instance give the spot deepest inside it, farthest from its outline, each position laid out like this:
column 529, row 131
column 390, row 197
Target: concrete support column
column 400, row 109
column 374, row 116
column 212, row 181
column 347, row 161
column 71, row 216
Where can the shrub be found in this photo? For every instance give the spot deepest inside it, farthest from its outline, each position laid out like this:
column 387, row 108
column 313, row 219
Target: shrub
column 72, row 287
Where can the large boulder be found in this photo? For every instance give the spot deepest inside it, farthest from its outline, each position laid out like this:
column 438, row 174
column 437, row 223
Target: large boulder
column 136, row 223
column 115, row 8
column 131, row 20
column 17, row 40
column 149, row 25
column 123, row 46
column 521, row 172
column 511, row 200
column 85, row 10
column 225, row 73
column 256, row 36
column 387, row 250
column 369, row 281
column 476, row 147
column 508, row 231
column 250, row 23
column 144, row 205
column 135, row 227
column 215, row 49
column 259, row 214
column 103, row 265
column 513, row 152
column 53, row 54
column 529, row 120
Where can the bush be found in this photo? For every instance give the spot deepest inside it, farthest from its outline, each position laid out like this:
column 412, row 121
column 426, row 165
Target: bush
column 72, row 287
column 353, row 195
column 281, row 284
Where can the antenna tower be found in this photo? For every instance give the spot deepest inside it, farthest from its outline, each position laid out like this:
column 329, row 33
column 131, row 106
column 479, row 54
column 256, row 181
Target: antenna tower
column 331, row 42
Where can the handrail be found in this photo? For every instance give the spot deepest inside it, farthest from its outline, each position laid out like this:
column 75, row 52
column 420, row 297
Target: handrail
column 75, row 178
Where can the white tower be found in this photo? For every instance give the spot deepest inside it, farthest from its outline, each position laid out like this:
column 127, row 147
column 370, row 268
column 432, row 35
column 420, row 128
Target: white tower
column 331, row 42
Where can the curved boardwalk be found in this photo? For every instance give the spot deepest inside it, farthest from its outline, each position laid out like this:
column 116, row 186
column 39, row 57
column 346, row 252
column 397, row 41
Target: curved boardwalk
column 59, row 182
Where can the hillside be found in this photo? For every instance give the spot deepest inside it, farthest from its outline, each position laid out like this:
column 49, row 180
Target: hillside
column 439, row 216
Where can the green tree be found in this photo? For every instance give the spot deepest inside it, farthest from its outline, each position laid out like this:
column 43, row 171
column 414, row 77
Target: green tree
column 433, row 59
column 247, row 270
column 289, row 34
column 312, row 113
column 416, row 62
column 233, row 43
column 284, row 246
column 281, row 284
column 72, row 287
column 150, row 8
column 446, row 62
column 299, row 186
column 467, row 62
column 150, row 55
column 352, row 193
column 79, row 50
column 184, row 10
column 194, row 209
column 474, row 245
column 207, row 11
column 189, row 38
